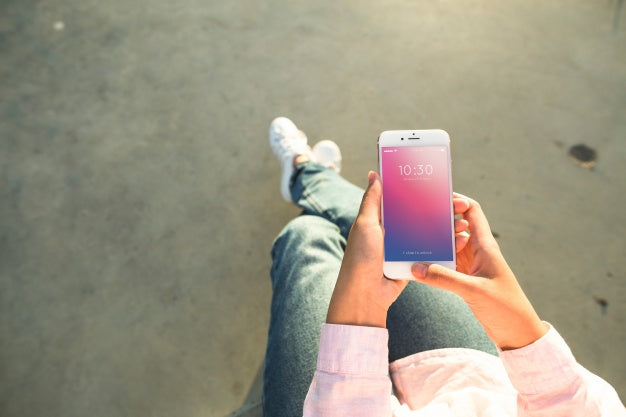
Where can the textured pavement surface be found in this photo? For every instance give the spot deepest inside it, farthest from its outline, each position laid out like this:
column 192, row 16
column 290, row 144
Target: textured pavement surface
column 139, row 198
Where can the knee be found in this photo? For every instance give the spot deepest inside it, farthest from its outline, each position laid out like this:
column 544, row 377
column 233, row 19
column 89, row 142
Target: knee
column 306, row 258
column 308, row 231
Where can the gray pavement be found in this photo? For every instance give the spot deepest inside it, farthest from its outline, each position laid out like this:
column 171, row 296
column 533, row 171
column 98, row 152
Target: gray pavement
column 139, row 198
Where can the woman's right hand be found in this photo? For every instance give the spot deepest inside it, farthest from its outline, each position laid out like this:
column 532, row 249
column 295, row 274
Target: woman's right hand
column 485, row 281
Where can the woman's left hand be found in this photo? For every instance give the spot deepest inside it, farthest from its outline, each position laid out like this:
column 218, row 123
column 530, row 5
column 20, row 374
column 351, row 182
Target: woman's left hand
column 362, row 294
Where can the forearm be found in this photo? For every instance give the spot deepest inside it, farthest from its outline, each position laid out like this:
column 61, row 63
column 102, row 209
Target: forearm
column 550, row 382
column 352, row 373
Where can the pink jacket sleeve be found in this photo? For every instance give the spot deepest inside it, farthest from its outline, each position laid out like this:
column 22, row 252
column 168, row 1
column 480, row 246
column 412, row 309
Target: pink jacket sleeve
column 352, row 376
column 550, row 382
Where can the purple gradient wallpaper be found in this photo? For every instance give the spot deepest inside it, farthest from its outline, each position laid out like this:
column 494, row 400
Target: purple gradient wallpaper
column 416, row 204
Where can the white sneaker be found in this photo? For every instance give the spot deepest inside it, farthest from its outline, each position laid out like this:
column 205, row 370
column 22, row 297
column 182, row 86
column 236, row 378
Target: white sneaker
column 287, row 142
column 327, row 153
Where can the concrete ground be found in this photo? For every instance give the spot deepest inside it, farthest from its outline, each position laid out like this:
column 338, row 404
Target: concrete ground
column 139, row 198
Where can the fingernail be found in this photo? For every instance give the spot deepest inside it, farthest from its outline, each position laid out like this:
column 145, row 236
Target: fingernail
column 370, row 177
column 419, row 269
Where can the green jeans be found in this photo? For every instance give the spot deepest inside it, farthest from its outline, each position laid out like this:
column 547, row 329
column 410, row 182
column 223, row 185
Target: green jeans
column 306, row 258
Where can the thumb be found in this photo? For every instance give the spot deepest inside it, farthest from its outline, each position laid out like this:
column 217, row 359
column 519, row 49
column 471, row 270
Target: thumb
column 441, row 277
column 370, row 205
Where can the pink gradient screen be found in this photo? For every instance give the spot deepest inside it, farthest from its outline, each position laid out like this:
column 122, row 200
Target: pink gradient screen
column 416, row 203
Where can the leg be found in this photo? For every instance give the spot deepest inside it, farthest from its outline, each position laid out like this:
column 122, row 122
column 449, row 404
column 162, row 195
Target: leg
column 425, row 318
column 306, row 259
column 323, row 192
column 310, row 177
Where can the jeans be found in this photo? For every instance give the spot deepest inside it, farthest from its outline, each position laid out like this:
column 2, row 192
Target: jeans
column 306, row 258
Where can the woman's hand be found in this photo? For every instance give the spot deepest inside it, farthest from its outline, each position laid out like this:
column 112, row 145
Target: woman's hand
column 362, row 294
column 485, row 281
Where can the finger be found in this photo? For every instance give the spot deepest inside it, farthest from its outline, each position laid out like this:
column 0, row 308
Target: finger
column 460, row 205
column 460, row 241
column 478, row 224
column 460, row 225
column 370, row 205
column 445, row 278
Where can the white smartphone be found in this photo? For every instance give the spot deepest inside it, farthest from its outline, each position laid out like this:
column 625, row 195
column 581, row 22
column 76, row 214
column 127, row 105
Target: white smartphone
column 416, row 208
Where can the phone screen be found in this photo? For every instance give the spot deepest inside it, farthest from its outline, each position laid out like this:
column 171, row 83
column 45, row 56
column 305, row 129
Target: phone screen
column 416, row 204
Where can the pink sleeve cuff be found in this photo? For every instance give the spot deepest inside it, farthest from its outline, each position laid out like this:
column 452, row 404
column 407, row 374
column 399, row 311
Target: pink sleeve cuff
column 353, row 350
column 543, row 366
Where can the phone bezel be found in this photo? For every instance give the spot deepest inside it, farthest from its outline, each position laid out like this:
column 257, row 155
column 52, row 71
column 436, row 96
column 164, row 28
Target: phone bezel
column 428, row 137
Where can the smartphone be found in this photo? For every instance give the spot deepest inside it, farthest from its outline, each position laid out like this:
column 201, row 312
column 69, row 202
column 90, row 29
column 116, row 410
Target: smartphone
column 417, row 213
